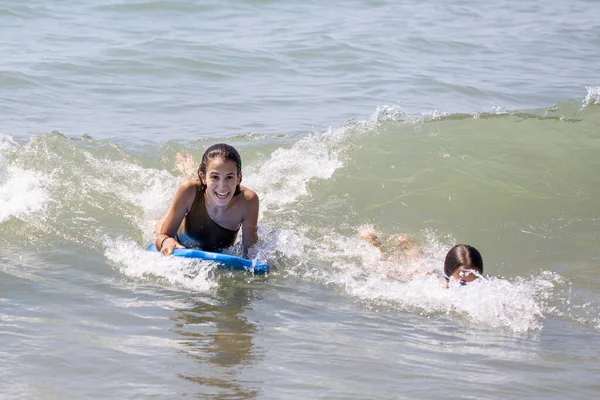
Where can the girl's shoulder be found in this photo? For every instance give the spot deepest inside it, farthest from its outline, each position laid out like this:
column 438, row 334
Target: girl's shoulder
column 248, row 195
column 248, row 204
column 190, row 184
column 187, row 190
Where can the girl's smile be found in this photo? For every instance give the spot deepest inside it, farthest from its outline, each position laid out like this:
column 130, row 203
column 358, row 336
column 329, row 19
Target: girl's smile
column 221, row 180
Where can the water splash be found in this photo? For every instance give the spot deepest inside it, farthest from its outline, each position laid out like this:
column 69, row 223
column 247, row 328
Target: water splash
column 140, row 264
column 515, row 304
column 394, row 113
column 592, row 97
column 22, row 192
column 285, row 176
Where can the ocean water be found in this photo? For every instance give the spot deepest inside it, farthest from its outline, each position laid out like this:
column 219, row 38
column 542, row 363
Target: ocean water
column 454, row 122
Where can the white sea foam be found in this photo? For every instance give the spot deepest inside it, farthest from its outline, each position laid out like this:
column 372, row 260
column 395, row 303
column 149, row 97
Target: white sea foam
column 7, row 143
column 138, row 263
column 388, row 113
column 22, row 192
column 283, row 247
column 515, row 304
column 150, row 189
column 397, row 114
column 285, row 176
column 592, row 96
column 493, row 110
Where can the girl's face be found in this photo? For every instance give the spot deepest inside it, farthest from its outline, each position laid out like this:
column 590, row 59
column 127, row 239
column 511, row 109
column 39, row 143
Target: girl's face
column 221, row 180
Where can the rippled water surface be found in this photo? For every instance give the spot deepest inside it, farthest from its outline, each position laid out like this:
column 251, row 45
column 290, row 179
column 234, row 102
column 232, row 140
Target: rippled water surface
column 454, row 122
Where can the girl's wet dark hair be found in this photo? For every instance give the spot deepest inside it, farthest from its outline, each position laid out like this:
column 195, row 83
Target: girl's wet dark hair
column 225, row 151
column 462, row 255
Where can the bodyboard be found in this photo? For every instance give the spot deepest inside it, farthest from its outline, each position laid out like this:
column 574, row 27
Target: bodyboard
column 225, row 261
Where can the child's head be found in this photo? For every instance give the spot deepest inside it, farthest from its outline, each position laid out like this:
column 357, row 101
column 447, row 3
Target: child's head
column 464, row 263
column 227, row 153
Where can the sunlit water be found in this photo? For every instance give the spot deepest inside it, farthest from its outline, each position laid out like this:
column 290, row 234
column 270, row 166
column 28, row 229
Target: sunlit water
column 449, row 122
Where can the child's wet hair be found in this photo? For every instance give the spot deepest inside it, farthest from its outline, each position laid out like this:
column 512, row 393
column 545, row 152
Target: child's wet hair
column 462, row 255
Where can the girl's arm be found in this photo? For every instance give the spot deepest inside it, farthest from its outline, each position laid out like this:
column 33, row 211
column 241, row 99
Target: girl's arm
column 184, row 197
column 250, row 221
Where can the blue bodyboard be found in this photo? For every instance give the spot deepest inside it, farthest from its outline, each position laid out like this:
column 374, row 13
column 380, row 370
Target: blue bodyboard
column 225, row 261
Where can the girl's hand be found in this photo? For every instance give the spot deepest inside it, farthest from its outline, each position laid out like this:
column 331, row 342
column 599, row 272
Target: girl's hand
column 169, row 245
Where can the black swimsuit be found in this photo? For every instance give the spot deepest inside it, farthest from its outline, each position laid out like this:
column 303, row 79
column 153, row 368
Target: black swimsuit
column 198, row 230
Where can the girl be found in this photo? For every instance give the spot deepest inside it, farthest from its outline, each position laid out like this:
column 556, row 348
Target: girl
column 208, row 211
column 463, row 263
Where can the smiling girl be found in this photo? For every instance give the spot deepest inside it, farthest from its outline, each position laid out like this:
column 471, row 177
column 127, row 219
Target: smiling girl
column 208, row 212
